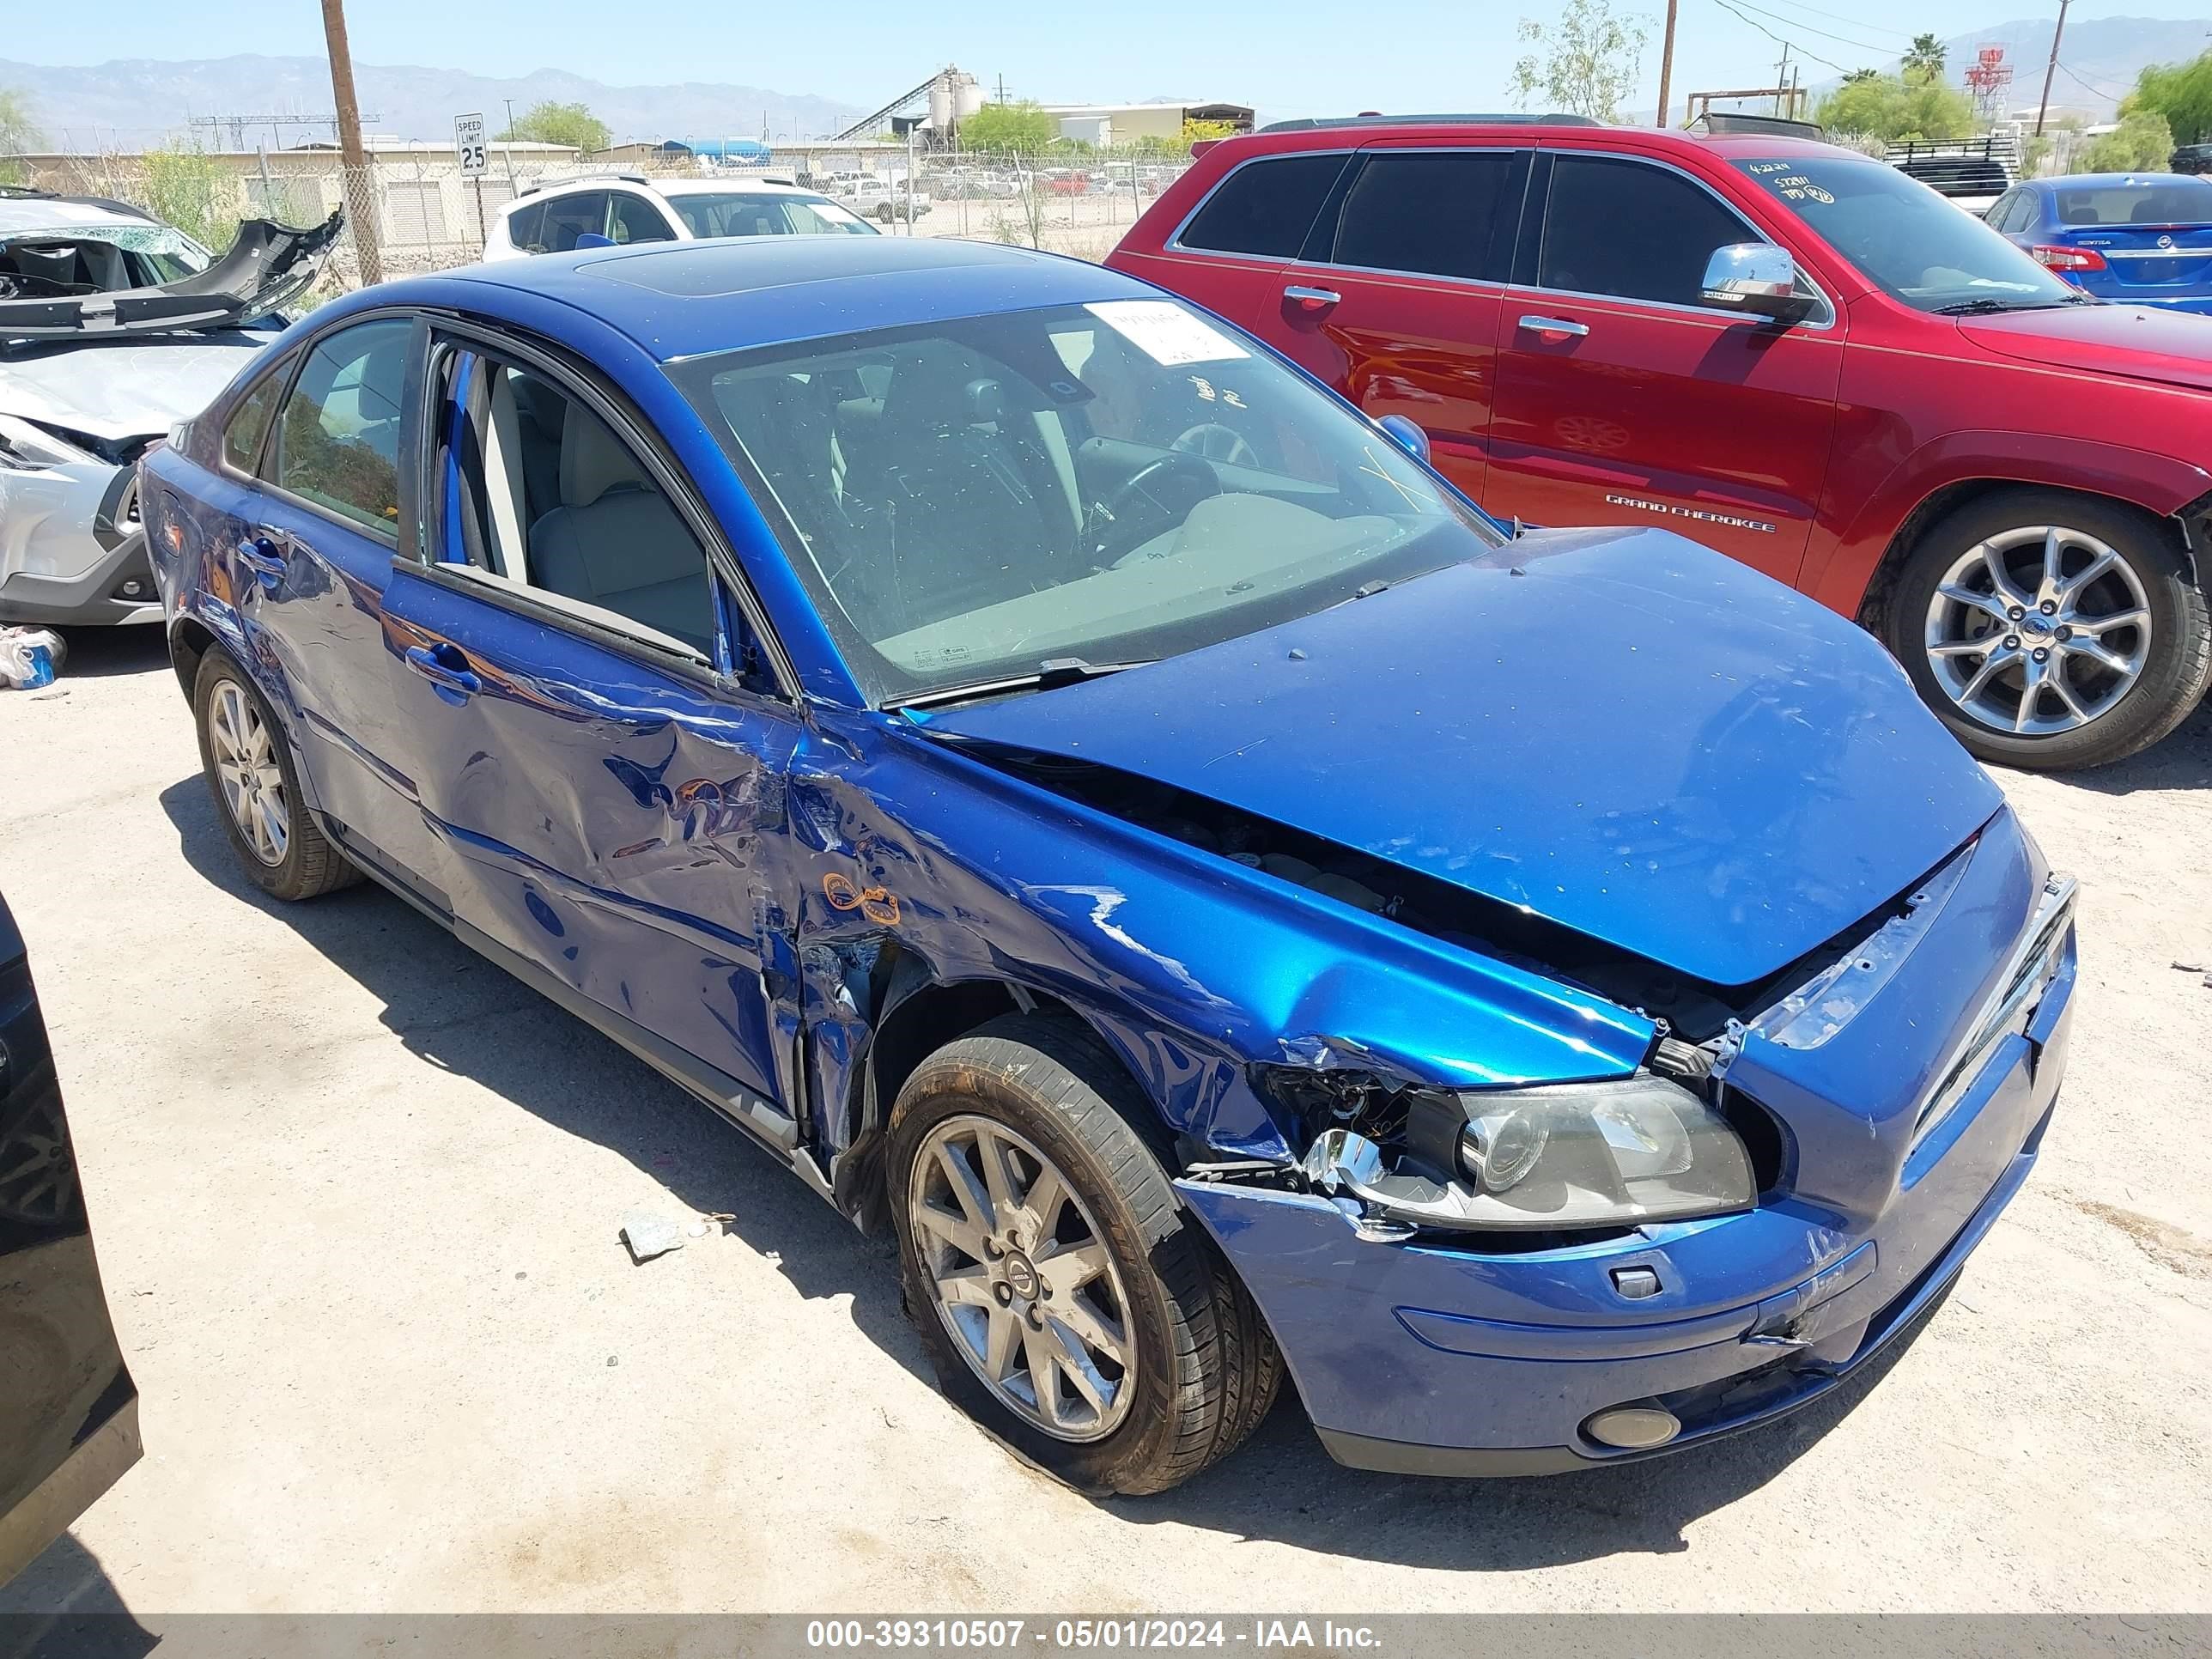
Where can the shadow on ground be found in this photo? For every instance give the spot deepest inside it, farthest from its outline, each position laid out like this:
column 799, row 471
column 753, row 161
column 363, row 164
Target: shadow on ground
column 97, row 653
column 63, row 1606
column 2181, row 761
column 458, row 1012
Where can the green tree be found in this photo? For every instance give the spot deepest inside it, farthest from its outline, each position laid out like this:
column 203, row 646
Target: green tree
column 1586, row 61
column 1021, row 127
column 185, row 187
column 2182, row 93
column 1925, row 61
column 18, row 133
column 1890, row 107
column 2141, row 143
column 561, row 124
column 1857, row 74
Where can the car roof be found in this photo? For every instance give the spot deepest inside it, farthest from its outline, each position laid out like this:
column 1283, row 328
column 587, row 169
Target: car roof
column 43, row 212
column 725, row 186
column 1486, row 131
column 682, row 299
column 2112, row 181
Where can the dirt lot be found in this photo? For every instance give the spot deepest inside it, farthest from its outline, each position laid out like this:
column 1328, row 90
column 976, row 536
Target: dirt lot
column 356, row 1197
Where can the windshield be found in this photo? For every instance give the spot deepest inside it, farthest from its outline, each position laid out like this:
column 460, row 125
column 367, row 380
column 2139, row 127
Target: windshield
column 1114, row 482
column 1907, row 239
column 759, row 214
column 59, row 261
column 2134, row 202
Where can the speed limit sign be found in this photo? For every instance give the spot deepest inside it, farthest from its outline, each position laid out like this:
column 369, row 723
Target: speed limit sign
column 469, row 144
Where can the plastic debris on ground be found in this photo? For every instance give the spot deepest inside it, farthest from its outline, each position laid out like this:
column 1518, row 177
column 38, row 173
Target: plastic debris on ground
column 649, row 1236
column 29, row 658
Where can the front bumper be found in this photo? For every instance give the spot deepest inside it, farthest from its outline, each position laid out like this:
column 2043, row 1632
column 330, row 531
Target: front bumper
column 1442, row 1360
column 72, row 553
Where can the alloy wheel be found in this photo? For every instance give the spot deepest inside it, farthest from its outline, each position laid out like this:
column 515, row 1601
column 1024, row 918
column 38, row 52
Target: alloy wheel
column 245, row 752
column 2038, row 630
column 1022, row 1278
column 38, row 1177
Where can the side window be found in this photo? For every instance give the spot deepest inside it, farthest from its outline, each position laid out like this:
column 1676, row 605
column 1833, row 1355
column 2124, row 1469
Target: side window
column 1264, row 207
column 525, row 226
column 567, row 217
column 338, row 441
column 539, row 489
column 249, row 421
column 2021, row 215
column 1632, row 231
column 1432, row 213
column 632, row 219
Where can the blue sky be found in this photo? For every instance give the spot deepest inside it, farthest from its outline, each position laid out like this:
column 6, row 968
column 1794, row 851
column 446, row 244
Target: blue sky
column 1286, row 58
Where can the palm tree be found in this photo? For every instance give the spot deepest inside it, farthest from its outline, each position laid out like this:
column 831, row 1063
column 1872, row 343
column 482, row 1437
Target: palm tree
column 1925, row 61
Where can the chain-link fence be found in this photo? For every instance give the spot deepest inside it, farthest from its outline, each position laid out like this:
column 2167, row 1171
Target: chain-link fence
column 412, row 210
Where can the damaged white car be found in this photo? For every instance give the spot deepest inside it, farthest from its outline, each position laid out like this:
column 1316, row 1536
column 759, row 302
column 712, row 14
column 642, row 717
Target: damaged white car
column 113, row 327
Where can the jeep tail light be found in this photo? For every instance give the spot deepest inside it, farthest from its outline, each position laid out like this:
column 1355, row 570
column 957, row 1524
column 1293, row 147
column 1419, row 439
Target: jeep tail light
column 2068, row 258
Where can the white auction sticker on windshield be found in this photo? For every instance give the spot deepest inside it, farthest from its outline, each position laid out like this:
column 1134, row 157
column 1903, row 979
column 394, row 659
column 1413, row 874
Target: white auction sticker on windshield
column 1166, row 332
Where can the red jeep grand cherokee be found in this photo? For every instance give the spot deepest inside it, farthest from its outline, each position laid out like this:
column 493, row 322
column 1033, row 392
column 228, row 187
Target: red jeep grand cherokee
column 1792, row 353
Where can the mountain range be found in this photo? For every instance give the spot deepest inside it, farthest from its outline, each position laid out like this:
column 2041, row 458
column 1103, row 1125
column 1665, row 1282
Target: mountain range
column 105, row 106
column 2099, row 57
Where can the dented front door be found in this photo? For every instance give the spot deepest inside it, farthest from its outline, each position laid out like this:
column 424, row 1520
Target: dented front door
column 619, row 826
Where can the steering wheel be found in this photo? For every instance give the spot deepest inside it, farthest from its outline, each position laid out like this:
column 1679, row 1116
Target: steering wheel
column 1157, row 497
column 1217, row 443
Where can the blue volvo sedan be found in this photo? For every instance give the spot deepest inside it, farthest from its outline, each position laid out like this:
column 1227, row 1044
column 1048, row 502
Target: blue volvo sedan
column 1086, row 799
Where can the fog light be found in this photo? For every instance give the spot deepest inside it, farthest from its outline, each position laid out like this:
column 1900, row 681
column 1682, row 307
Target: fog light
column 1633, row 1428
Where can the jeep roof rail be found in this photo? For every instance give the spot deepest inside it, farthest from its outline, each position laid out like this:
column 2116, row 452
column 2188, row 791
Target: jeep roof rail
column 1506, row 118
column 582, row 178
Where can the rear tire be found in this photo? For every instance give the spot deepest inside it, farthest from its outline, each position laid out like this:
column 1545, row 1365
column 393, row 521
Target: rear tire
column 250, row 772
column 1201, row 1369
column 2099, row 715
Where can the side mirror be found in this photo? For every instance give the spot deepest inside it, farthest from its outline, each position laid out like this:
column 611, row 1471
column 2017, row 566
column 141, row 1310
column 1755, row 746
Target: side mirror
column 592, row 239
column 1406, row 434
column 1757, row 279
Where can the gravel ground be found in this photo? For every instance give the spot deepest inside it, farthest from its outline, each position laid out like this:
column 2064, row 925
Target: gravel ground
column 356, row 1196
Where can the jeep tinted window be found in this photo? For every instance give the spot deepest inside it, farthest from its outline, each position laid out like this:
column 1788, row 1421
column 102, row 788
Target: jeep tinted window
column 1436, row 213
column 1630, row 230
column 1264, row 207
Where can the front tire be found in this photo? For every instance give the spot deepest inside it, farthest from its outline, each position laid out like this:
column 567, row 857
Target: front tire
column 2050, row 630
column 1068, row 1302
column 256, row 788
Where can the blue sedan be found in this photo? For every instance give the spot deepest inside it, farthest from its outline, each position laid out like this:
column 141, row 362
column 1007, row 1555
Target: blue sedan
column 2141, row 238
column 1084, row 798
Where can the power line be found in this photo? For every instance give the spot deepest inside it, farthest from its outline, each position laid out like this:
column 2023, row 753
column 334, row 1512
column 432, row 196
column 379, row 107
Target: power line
column 1826, row 35
column 1771, row 35
column 1838, row 17
column 2091, row 86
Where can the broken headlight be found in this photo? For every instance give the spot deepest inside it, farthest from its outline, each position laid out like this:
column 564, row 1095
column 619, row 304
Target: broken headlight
column 1564, row 1157
column 27, row 447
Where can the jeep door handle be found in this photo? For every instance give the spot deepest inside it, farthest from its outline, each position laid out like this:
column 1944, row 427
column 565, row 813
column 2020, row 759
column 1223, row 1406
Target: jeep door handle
column 260, row 555
column 1555, row 328
column 1311, row 299
column 445, row 667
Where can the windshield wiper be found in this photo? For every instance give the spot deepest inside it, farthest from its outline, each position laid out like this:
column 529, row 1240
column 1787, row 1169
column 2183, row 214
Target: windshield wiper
column 1049, row 675
column 1988, row 308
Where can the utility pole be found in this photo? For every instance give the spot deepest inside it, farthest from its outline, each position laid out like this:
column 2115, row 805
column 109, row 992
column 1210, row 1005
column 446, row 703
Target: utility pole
column 1781, row 76
column 360, row 189
column 1667, row 63
column 2042, row 109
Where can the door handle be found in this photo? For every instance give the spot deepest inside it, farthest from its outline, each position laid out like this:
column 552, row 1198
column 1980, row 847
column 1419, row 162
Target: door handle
column 1555, row 328
column 1311, row 299
column 445, row 667
column 259, row 553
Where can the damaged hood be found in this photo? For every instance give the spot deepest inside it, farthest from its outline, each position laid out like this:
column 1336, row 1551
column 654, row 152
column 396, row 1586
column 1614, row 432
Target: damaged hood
column 123, row 389
column 268, row 264
column 1616, row 729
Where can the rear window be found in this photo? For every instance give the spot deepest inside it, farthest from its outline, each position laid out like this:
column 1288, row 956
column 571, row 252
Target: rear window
column 1265, row 207
column 2147, row 202
column 525, row 224
column 1431, row 213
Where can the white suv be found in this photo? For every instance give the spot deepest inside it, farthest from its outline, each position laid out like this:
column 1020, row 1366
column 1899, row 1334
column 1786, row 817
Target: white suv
column 625, row 207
